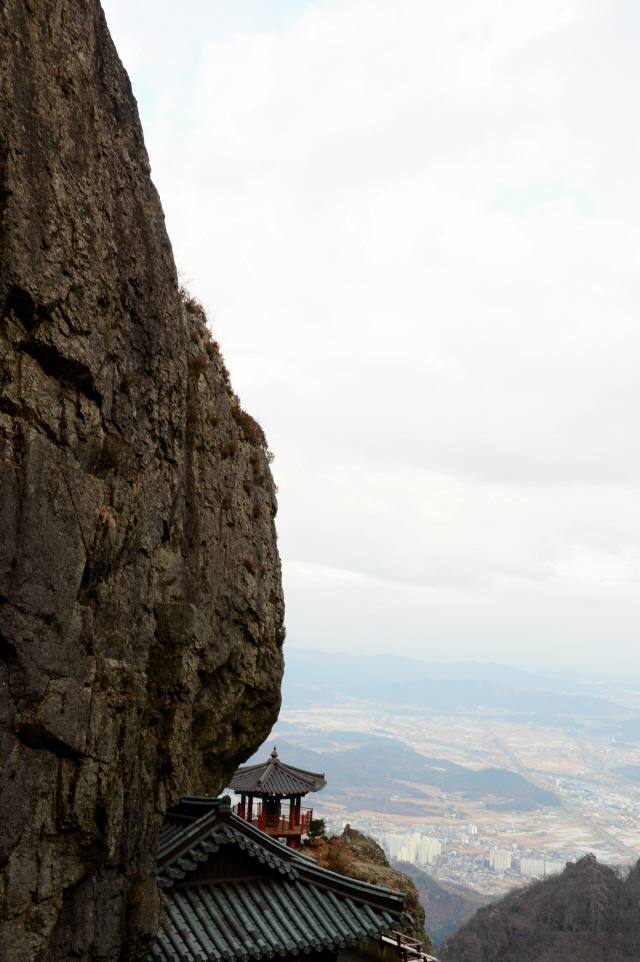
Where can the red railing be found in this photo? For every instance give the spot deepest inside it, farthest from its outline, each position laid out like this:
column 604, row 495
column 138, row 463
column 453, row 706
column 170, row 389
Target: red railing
column 281, row 824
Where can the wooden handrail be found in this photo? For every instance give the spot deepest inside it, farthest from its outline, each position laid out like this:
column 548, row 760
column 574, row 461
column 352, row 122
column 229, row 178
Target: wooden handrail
column 408, row 949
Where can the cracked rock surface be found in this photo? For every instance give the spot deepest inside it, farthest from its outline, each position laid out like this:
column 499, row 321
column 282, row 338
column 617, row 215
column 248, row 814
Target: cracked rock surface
column 141, row 608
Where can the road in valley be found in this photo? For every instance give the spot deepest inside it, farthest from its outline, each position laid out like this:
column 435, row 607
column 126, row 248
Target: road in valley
column 539, row 780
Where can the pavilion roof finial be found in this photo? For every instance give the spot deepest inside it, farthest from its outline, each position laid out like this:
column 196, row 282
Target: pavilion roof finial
column 273, row 777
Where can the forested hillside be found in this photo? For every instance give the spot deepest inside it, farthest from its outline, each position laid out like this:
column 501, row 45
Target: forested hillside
column 590, row 913
column 446, row 906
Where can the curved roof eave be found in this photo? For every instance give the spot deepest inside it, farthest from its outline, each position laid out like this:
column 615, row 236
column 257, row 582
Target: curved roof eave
column 277, row 778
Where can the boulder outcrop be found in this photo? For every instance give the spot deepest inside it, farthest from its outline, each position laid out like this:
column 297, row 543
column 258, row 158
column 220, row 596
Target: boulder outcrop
column 359, row 856
column 141, row 608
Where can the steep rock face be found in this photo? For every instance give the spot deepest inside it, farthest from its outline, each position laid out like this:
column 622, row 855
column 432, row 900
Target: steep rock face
column 141, row 605
column 359, row 856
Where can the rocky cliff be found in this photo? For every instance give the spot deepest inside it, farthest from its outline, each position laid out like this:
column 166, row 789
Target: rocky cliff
column 141, row 603
column 590, row 912
column 359, row 856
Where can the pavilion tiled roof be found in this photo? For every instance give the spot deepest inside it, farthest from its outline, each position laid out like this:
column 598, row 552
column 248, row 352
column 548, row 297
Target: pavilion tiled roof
column 291, row 907
column 274, row 777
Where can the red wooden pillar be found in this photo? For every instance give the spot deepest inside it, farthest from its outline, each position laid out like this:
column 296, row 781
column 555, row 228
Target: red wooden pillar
column 243, row 806
column 250, row 809
column 292, row 812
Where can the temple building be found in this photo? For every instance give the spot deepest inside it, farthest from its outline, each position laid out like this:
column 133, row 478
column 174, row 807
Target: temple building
column 275, row 783
column 233, row 892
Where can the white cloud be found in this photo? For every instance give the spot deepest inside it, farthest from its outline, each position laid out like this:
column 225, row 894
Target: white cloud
column 417, row 226
column 389, row 324
column 234, row 79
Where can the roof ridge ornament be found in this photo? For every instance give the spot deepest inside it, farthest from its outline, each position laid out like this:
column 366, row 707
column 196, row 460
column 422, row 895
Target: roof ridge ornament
column 274, row 753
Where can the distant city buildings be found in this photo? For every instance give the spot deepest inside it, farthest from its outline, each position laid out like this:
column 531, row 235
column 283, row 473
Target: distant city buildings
column 416, row 848
column 499, row 859
column 428, row 850
column 540, row 867
column 455, row 853
column 425, row 851
column 393, row 844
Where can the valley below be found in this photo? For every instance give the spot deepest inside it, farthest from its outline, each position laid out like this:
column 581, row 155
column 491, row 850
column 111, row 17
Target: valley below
column 542, row 788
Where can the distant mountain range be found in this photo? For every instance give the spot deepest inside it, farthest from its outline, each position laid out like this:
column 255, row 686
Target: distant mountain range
column 373, row 772
column 632, row 772
column 625, row 730
column 312, row 676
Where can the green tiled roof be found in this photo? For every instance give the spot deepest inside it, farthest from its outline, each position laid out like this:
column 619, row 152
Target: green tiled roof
column 291, row 907
column 183, row 852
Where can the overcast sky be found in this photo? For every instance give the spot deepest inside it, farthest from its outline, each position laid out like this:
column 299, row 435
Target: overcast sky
column 415, row 225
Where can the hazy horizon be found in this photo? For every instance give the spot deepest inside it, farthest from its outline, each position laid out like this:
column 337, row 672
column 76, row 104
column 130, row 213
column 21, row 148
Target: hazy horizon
column 617, row 675
column 416, row 229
